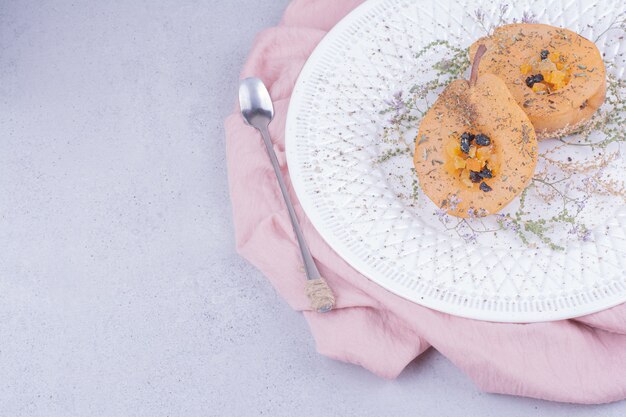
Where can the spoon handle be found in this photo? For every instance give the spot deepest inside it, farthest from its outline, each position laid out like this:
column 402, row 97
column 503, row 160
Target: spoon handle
column 311, row 270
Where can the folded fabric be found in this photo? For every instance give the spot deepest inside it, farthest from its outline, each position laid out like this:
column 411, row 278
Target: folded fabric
column 581, row 360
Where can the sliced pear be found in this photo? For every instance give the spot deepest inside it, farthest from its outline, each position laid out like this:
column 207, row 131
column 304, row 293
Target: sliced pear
column 574, row 76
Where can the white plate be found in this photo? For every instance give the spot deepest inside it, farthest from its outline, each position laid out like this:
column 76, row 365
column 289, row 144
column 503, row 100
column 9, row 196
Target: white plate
column 352, row 173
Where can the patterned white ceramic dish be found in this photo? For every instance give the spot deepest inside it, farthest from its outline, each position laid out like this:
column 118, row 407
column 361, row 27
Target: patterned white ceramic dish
column 349, row 138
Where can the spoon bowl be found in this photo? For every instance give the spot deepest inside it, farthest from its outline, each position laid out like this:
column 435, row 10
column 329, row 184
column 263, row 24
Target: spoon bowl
column 255, row 103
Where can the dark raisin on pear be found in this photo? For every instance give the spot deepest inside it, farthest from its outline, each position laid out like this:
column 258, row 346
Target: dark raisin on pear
column 537, row 78
column 482, row 140
column 465, row 144
column 468, row 136
column 486, row 173
column 475, row 176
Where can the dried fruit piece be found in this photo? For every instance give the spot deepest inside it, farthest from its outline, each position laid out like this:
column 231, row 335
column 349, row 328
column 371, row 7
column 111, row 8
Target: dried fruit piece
column 465, row 144
column 554, row 57
column 474, row 164
column 486, row 173
column 483, row 153
column 467, row 136
column 557, row 79
column 475, row 177
column 483, row 140
column 544, row 68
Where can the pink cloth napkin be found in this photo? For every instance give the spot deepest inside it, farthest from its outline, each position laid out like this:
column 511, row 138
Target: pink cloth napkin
column 581, row 360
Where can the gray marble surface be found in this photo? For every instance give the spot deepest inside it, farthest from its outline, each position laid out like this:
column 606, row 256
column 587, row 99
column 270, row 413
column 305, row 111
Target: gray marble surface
column 120, row 290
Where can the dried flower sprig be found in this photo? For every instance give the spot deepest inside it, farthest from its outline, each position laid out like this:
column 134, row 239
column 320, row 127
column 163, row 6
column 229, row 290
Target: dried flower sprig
column 480, row 17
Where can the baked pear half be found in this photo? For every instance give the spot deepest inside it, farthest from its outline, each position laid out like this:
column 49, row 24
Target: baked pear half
column 476, row 149
column 557, row 76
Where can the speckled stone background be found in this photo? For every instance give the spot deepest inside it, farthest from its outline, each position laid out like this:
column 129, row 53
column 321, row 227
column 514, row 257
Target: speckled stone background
column 120, row 290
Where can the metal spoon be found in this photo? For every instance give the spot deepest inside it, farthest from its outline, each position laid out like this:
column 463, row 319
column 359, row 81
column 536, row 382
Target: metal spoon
column 258, row 111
